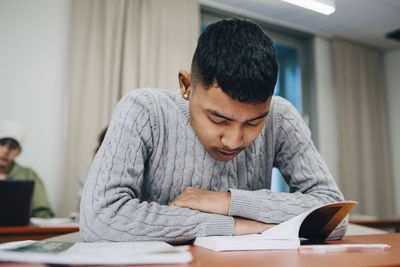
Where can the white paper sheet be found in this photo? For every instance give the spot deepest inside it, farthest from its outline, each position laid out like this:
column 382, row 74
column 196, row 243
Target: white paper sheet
column 110, row 253
column 54, row 222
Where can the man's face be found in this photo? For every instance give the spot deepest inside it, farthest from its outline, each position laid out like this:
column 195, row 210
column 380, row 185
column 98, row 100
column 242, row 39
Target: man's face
column 223, row 125
column 9, row 149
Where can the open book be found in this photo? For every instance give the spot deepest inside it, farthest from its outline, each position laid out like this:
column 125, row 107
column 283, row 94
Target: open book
column 315, row 224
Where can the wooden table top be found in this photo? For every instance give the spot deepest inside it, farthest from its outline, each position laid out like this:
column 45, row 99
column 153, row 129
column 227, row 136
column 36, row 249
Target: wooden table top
column 35, row 229
column 30, row 232
column 204, row 257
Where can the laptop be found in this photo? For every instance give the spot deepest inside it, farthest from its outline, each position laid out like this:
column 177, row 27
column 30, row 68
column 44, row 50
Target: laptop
column 15, row 202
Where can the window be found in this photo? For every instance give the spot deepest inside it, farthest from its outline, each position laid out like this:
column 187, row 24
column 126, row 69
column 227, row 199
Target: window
column 288, row 86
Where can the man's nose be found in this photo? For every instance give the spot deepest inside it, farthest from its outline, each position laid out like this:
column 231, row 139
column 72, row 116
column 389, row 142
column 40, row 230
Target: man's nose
column 233, row 138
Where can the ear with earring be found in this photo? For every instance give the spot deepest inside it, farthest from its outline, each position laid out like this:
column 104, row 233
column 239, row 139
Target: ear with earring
column 184, row 84
column 186, row 94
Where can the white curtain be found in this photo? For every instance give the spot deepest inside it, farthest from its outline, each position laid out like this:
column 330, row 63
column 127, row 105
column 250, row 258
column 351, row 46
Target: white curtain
column 364, row 163
column 117, row 46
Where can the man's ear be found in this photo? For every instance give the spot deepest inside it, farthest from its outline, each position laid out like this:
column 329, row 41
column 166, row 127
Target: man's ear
column 185, row 84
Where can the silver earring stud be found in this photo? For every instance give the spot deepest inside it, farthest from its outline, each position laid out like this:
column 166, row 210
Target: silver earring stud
column 185, row 95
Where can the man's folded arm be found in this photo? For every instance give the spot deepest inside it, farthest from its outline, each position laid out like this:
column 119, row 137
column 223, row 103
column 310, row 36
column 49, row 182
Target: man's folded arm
column 129, row 220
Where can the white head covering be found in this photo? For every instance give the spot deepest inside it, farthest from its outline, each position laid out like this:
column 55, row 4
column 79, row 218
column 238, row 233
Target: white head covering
column 13, row 130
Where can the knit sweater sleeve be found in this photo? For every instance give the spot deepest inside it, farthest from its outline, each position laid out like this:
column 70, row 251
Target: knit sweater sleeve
column 301, row 166
column 114, row 206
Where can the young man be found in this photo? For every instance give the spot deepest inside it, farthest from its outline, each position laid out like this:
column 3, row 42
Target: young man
column 174, row 166
column 11, row 140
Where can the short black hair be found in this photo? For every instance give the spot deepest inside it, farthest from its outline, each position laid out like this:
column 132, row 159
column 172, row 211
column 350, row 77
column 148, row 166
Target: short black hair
column 240, row 57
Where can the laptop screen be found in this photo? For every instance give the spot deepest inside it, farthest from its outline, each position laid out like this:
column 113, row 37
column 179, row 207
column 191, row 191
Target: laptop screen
column 15, row 202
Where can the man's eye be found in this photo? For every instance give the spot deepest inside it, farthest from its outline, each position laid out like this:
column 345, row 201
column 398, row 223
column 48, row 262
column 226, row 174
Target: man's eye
column 217, row 121
column 253, row 124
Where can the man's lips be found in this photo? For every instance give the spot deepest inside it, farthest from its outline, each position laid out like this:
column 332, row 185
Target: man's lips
column 229, row 153
column 225, row 156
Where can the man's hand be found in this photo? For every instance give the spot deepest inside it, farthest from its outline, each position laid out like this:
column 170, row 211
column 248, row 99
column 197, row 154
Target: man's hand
column 204, row 200
column 245, row 227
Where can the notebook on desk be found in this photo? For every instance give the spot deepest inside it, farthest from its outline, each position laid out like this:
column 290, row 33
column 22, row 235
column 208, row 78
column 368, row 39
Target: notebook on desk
column 15, row 202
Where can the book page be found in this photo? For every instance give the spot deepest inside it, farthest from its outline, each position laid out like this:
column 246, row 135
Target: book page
column 286, row 230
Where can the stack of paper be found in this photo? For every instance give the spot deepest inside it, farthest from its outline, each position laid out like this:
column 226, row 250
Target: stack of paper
column 54, row 222
column 111, row 253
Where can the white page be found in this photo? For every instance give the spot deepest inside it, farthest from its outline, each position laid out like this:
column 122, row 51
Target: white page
column 101, row 253
column 286, row 230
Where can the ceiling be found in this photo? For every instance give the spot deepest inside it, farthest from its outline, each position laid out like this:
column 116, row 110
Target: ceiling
column 364, row 21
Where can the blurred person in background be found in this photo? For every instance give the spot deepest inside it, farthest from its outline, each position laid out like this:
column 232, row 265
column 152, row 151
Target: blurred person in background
column 11, row 142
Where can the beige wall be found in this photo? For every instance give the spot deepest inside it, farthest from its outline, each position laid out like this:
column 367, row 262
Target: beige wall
column 34, row 40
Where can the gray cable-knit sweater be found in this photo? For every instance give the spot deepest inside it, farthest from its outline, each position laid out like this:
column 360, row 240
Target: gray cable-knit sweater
column 151, row 154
